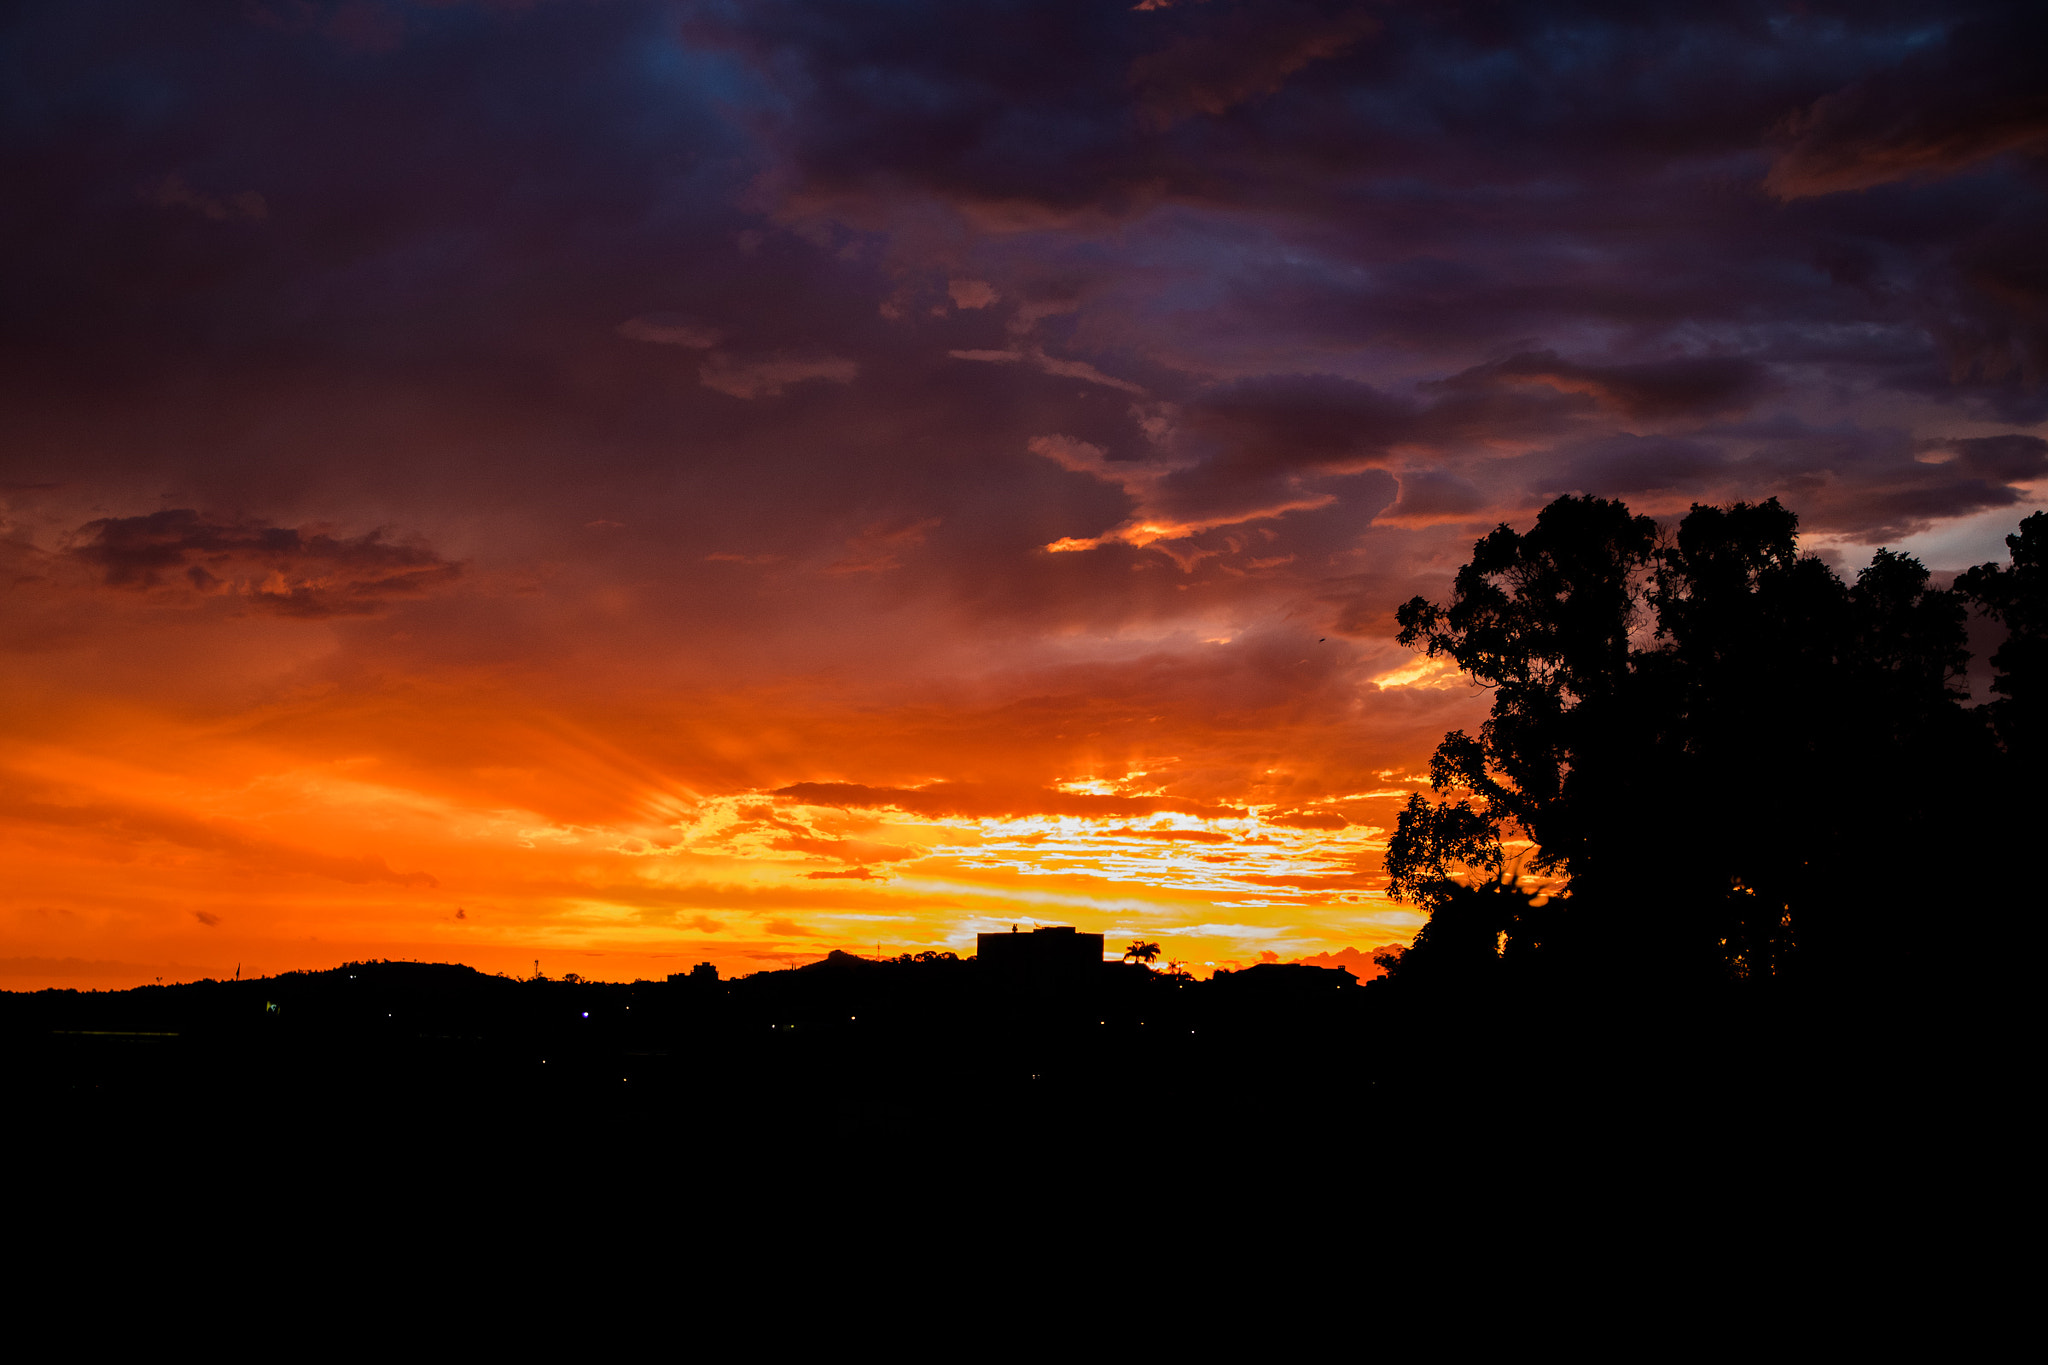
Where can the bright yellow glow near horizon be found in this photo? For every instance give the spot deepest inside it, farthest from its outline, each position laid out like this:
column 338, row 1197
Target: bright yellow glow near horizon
column 142, row 845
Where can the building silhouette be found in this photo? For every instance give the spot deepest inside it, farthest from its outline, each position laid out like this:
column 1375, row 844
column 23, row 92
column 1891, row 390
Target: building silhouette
column 1049, row 952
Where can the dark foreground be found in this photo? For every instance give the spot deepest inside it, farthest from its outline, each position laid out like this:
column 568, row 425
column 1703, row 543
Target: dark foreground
column 851, row 1070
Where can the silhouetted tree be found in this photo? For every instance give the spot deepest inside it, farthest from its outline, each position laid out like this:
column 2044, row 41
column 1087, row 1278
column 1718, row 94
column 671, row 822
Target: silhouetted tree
column 2017, row 597
column 1432, row 841
column 1545, row 621
column 1142, row 952
column 1683, row 726
column 1471, row 933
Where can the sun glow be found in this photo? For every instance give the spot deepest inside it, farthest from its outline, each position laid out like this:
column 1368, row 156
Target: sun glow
column 275, row 858
column 1423, row 672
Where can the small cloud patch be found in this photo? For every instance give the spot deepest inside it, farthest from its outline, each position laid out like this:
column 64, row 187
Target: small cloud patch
column 172, row 192
column 667, row 329
column 1307, row 819
column 972, row 293
column 768, row 378
column 303, row 571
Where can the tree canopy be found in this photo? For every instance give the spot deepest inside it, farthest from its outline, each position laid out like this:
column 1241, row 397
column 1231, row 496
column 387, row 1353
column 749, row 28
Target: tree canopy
column 1731, row 763
column 2017, row 598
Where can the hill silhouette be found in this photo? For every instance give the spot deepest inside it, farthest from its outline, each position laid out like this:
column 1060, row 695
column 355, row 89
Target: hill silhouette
column 849, row 1044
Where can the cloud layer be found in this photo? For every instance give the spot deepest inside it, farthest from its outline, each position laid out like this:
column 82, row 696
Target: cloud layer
column 711, row 479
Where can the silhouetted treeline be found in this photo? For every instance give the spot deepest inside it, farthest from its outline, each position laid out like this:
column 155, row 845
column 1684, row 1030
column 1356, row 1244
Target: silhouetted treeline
column 1737, row 771
column 924, row 1048
column 1066, row 1086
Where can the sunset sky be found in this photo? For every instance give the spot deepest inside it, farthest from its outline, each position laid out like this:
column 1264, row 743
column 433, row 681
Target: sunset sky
column 632, row 484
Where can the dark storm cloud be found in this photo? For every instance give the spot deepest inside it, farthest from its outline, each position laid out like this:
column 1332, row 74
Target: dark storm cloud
column 1707, row 386
column 1875, row 487
column 1901, row 497
column 1999, row 323
column 1073, row 102
column 1299, row 422
column 1867, row 486
column 2008, row 459
column 1244, row 54
column 1623, row 464
column 1271, row 443
column 787, row 292
column 1449, row 176
column 1978, row 92
column 1431, row 495
column 1008, row 101
column 210, row 185
column 290, row 571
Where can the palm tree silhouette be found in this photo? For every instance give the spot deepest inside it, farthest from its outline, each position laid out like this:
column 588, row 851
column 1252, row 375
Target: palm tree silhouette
column 1142, row 952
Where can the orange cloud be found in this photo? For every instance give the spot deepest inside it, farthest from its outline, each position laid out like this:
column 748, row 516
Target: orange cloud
column 981, row 800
